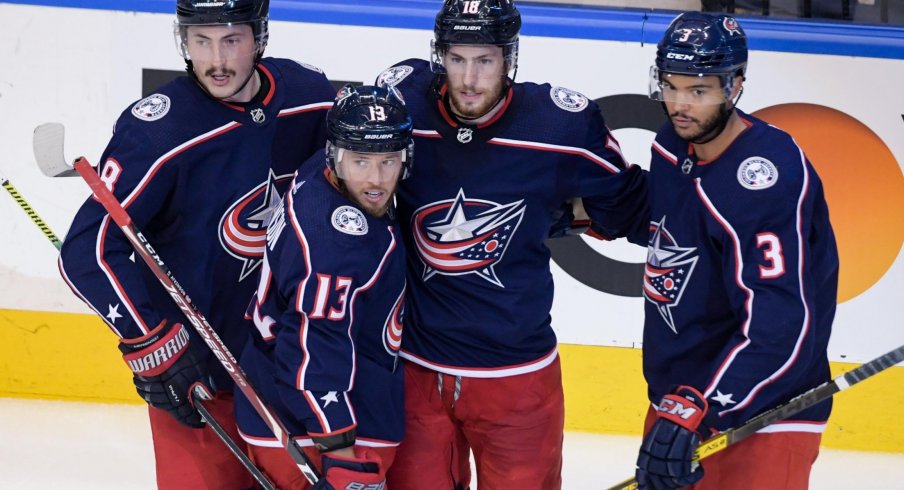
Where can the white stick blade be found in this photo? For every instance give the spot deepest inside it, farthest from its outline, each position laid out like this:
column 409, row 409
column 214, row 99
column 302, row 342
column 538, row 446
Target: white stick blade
column 48, row 147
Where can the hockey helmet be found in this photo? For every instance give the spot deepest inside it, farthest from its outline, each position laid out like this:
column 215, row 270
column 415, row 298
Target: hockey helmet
column 701, row 44
column 228, row 12
column 369, row 119
column 495, row 22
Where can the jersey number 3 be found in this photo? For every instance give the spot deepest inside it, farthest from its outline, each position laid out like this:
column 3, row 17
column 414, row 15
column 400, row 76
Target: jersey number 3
column 772, row 252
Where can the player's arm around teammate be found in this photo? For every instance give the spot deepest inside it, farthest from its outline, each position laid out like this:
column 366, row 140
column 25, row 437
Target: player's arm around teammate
column 330, row 304
column 741, row 275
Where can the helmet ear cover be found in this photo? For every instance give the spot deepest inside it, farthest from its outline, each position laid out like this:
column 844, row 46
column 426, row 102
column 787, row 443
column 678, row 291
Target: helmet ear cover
column 369, row 119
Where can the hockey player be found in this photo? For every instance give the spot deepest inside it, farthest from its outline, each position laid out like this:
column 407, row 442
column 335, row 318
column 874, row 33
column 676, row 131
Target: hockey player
column 329, row 306
column 741, row 275
column 496, row 160
column 198, row 165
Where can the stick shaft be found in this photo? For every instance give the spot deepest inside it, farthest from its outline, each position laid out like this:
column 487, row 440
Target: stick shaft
column 31, row 212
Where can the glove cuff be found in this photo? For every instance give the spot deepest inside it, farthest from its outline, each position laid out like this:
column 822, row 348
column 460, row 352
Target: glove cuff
column 686, row 407
column 158, row 352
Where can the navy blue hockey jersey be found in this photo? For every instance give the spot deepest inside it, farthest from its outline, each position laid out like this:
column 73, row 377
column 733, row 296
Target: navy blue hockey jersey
column 478, row 209
column 329, row 312
column 741, row 276
column 199, row 178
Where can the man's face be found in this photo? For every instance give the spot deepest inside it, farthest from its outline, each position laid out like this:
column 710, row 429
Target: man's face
column 476, row 77
column 694, row 103
column 370, row 178
column 223, row 59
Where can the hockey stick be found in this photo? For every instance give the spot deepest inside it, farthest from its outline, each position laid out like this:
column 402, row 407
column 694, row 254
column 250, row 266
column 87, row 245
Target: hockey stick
column 48, row 143
column 30, row 212
column 805, row 400
column 197, row 396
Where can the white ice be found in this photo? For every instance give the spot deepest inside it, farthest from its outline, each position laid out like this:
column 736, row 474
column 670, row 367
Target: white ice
column 66, row 445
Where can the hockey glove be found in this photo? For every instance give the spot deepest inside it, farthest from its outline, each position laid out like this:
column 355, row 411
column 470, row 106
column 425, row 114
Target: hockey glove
column 165, row 370
column 361, row 472
column 668, row 448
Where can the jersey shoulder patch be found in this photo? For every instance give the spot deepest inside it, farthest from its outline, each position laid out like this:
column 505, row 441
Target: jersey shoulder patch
column 757, row 173
column 350, row 220
column 394, row 75
column 311, row 67
column 152, row 107
column 569, row 100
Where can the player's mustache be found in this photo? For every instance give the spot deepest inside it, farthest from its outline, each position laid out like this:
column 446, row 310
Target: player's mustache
column 681, row 114
column 216, row 71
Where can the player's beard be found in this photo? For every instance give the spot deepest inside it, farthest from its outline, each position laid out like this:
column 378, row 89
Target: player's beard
column 377, row 211
column 709, row 129
column 479, row 110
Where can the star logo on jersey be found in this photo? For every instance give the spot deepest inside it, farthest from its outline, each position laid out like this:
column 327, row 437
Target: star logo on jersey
column 331, row 397
column 669, row 268
column 113, row 313
column 465, row 236
column 724, row 398
column 243, row 227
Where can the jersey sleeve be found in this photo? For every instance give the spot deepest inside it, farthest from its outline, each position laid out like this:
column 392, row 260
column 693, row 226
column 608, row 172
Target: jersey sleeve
column 766, row 274
column 96, row 258
column 315, row 347
column 613, row 192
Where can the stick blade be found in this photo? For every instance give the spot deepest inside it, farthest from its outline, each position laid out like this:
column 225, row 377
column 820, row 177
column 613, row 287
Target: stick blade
column 48, row 148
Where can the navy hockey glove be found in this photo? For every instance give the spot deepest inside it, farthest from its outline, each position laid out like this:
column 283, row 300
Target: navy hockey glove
column 165, row 370
column 667, row 450
column 363, row 472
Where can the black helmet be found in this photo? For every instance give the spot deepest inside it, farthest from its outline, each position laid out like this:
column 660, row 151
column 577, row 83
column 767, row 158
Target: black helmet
column 495, row 22
column 207, row 12
column 697, row 43
column 369, row 119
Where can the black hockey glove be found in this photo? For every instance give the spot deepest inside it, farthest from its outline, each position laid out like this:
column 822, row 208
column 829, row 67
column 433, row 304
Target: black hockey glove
column 665, row 459
column 361, row 472
column 165, row 370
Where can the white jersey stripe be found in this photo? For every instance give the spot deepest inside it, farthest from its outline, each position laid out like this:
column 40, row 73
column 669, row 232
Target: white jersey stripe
column 794, row 426
column 534, row 145
column 739, row 280
column 351, row 304
column 303, row 328
column 805, row 324
column 291, row 111
column 476, row 372
column 111, row 277
column 82, row 297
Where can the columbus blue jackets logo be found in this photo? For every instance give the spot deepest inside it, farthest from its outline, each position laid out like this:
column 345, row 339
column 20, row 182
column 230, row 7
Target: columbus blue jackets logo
column 731, row 26
column 243, row 227
column 668, row 271
column 392, row 330
column 465, row 236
